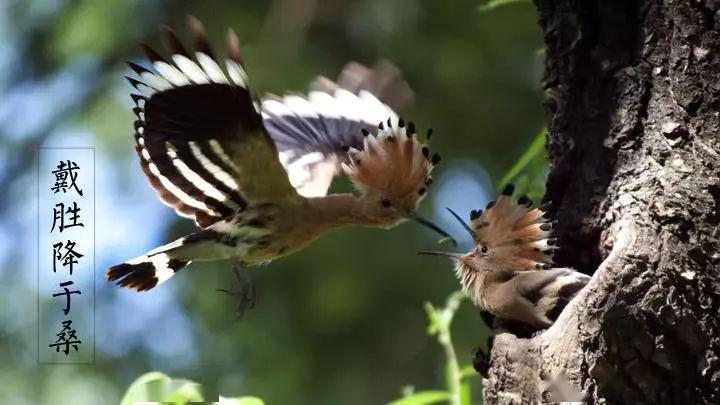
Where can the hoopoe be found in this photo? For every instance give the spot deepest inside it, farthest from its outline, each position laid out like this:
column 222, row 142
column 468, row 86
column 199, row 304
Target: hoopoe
column 255, row 177
column 509, row 273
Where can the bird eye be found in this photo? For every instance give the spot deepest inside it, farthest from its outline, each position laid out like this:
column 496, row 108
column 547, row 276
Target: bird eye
column 483, row 249
column 385, row 203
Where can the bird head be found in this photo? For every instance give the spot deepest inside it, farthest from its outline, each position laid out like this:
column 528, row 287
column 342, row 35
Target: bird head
column 509, row 236
column 469, row 269
column 392, row 171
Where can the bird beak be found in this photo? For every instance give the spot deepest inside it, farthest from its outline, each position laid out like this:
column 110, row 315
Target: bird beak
column 417, row 218
column 451, row 255
column 464, row 224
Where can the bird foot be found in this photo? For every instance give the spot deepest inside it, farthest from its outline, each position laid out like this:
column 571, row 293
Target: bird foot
column 245, row 293
column 481, row 359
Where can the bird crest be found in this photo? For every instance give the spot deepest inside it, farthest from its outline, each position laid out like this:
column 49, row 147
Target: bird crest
column 511, row 235
column 393, row 166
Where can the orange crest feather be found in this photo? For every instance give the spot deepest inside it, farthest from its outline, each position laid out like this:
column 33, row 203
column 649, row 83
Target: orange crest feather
column 392, row 164
column 517, row 234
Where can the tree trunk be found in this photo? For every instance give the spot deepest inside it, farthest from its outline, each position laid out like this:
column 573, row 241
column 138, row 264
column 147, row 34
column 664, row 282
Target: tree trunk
column 633, row 97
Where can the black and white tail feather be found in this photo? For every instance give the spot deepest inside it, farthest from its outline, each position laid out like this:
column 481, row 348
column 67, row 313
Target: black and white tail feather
column 210, row 151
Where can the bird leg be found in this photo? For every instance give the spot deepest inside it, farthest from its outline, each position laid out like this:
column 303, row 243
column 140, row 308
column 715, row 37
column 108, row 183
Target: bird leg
column 246, row 291
column 480, row 358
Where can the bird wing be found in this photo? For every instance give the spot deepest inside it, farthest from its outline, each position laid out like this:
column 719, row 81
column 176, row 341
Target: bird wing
column 313, row 132
column 556, row 283
column 549, row 291
column 532, row 284
column 201, row 141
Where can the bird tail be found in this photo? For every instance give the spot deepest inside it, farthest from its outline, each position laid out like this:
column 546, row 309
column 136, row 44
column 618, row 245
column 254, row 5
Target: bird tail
column 147, row 271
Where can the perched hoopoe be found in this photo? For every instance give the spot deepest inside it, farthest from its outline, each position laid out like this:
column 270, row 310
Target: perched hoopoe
column 509, row 272
column 255, row 176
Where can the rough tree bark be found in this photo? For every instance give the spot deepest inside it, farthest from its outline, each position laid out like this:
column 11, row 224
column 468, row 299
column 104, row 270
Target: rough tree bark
column 632, row 96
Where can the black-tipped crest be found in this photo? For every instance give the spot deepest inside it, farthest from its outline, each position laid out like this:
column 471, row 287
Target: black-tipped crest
column 509, row 189
column 435, row 159
column 516, row 234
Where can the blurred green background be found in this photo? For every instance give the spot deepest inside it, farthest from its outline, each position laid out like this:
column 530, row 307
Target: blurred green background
column 341, row 322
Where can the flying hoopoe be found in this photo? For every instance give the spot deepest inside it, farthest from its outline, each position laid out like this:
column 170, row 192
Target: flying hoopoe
column 509, row 273
column 255, row 177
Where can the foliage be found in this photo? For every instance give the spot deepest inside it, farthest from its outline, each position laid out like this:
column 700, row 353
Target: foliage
column 529, row 172
column 157, row 387
column 493, row 4
column 457, row 379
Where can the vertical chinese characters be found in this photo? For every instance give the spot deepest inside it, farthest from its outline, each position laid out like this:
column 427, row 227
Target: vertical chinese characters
column 66, row 177
column 66, row 255
column 66, row 252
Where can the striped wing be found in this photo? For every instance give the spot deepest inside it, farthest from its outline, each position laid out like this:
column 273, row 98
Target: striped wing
column 312, row 132
column 201, row 141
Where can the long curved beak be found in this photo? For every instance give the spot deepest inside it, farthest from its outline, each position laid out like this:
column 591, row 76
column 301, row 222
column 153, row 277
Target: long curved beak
column 464, row 224
column 417, row 218
column 452, row 255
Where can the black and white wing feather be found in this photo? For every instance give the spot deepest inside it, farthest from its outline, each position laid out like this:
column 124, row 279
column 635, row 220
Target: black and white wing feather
column 312, row 132
column 549, row 291
column 200, row 139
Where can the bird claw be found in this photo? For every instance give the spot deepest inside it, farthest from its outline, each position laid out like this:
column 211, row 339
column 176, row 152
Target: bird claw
column 481, row 359
column 480, row 362
column 246, row 292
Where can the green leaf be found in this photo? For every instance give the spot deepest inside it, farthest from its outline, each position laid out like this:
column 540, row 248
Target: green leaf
column 465, row 398
column 88, row 27
column 241, row 401
column 434, row 322
column 158, row 387
column 532, row 158
column 493, row 4
column 423, row 398
column 467, row 372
